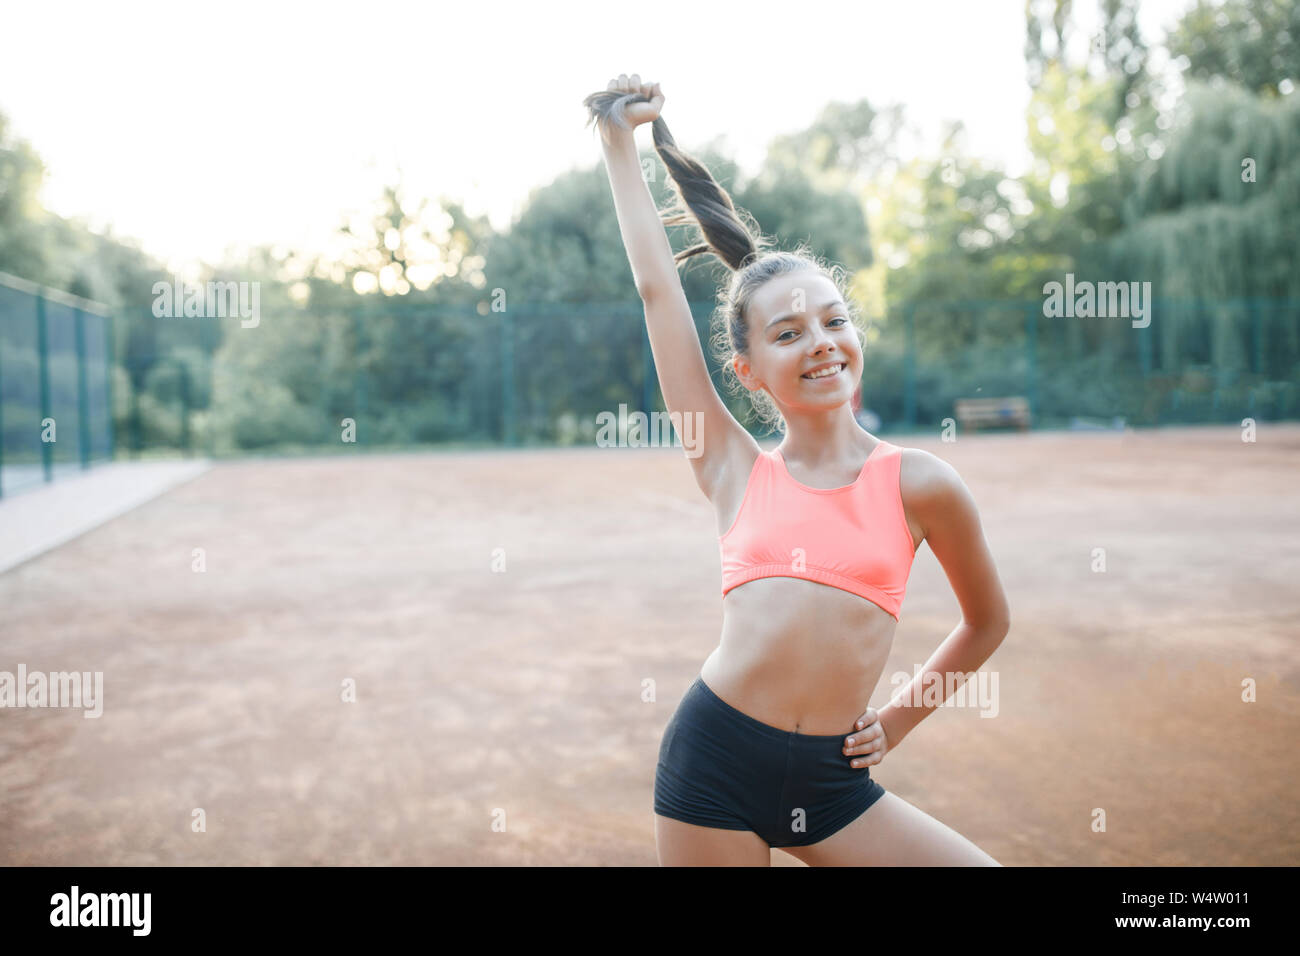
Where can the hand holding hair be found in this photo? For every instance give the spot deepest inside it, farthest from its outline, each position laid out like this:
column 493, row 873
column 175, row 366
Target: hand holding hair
column 625, row 103
column 698, row 199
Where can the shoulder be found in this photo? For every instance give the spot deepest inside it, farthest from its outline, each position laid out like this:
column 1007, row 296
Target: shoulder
column 927, row 482
column 925, row 472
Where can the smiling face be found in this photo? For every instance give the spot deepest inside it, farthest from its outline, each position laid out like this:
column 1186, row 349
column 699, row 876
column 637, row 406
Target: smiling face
column 799, row 324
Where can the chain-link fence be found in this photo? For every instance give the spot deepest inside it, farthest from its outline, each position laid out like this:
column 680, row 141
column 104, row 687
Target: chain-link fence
column 544, row 373
column 55, row 384
column 389, row 374
column 1180, row 362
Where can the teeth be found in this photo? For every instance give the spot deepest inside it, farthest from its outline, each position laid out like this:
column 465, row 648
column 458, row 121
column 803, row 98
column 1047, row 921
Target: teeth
column 833, row 370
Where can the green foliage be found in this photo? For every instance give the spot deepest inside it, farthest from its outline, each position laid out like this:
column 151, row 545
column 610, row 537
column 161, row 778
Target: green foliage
column 787, row 204
column 1253, row 43
column 1198, row 231
column 1224, row 132
column 1120, row 188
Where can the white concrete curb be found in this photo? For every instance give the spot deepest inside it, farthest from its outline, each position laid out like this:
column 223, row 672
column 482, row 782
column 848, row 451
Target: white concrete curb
column 38, row 520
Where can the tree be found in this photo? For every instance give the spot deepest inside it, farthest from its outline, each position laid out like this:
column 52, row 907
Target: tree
column 1255, row 43
column 23, row 243
column 400, row 244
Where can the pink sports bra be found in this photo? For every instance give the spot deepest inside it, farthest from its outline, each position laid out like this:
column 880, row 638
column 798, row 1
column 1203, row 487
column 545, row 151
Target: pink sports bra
column 854, row 538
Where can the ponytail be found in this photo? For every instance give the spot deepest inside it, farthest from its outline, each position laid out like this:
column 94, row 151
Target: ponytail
column 698, row 198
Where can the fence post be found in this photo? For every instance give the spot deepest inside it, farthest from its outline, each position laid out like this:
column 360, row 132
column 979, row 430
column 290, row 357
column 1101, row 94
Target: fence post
column 1215, row 323
column 110, row 356
column 1144, row 344
column 184, row 389
column 2, row 418
column 507, row 381
column 42, row 347
column 208, row 348
column 909, row 366
column 137, row 426
column 1257, row 336
column 360, row 314
column 83, row 400
column 1031, row 359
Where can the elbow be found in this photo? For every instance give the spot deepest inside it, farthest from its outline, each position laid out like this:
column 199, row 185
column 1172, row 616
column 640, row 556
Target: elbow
column 991, row 630
column 999, row 629
column 649, row 290
column 654, row 284
column 999, row 624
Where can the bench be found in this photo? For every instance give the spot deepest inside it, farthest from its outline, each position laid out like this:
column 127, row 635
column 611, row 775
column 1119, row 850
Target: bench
column 975, row 413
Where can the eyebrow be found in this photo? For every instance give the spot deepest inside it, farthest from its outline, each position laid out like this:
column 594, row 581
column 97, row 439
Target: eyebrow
column 793, row 315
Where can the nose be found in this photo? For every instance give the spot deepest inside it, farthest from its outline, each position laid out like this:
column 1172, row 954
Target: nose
column 823, row 342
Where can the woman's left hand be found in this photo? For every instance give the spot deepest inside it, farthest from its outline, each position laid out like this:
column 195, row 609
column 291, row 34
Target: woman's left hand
column 867, row 745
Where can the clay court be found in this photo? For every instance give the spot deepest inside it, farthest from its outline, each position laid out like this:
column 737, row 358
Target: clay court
column 514, row 693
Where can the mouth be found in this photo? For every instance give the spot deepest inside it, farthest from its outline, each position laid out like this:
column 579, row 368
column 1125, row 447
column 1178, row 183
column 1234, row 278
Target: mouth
column 826, row 372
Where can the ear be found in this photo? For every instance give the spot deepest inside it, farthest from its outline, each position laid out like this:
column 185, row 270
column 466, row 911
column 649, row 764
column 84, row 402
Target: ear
column 745, row 372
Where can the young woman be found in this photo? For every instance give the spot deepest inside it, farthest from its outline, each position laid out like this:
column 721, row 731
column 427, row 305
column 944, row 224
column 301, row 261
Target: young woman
column 817, row 538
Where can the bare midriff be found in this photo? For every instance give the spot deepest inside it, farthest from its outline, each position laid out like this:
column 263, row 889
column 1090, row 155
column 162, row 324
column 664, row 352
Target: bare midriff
column 799, row 655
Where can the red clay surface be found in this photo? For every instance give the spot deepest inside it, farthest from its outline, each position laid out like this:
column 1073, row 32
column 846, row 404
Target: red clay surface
column 517, row 695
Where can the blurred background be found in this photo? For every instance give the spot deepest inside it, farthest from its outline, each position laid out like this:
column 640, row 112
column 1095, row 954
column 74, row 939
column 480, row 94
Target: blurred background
column 1150, row 142
column 429, row 227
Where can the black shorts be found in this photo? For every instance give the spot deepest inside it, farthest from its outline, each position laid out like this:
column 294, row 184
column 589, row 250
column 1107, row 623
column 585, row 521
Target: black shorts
column 719, row 767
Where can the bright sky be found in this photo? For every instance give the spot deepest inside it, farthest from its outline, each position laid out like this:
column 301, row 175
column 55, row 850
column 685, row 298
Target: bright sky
column 199, row 126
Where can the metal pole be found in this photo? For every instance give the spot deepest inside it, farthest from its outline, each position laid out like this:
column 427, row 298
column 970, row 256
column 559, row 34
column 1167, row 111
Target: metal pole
column 1144, row 346
column 2, row 418
column 1218, row 334
column 42, row 347
column 359, row 382
column 137, row 426
column 207, row 332
column 909, row 366
column 83, row 400
column 507, row 380
column 184, row 386
column 1257, row 334
column 110, row 353
column 1031, row 358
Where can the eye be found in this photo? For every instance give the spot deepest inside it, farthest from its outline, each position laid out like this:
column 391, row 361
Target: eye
column 839, row 318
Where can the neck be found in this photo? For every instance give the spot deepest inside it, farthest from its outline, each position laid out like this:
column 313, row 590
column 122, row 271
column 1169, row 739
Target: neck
column 825, row 437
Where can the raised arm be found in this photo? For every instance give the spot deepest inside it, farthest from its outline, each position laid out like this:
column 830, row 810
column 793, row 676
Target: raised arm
column 644, row 237
column 719, row 444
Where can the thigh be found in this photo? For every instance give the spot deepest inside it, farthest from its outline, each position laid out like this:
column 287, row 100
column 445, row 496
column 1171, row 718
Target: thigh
column 892, row 832
column 685, row 844
column 718, row 782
